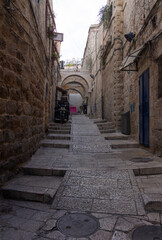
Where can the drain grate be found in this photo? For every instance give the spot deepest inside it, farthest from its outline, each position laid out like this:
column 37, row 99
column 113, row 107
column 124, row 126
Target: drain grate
column 147, row 233
column 77, row 225
column 141, row 160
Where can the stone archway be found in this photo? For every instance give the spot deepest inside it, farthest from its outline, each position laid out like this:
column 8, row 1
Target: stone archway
column 79, row 81
column 76, row 86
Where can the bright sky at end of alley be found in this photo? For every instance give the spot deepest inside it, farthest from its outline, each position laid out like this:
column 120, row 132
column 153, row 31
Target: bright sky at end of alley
column 73, row 19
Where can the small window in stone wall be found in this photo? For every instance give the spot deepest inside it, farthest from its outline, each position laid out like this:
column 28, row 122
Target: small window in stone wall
column 160, row 77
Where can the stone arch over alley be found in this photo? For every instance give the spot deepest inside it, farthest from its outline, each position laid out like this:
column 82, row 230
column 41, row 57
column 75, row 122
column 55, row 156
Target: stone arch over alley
column 79, row 81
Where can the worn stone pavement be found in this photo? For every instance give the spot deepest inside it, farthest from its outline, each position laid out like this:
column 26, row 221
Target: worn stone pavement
column 100, row 181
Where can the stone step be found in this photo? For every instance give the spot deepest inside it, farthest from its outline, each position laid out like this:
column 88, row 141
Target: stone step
column 58, row 137
column 32, row 188
column 100, row 121
column 59, row 131
column 55, row 143
column 124, row 145
column 60, row 124
column 59, row 128
column 108, row 131
column 117, row 137
column 105, row 124
column 31, row 169
column 145, row 171
column 106, row 128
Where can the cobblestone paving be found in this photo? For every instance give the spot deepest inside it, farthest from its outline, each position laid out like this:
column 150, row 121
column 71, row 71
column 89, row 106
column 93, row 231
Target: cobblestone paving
column 99, row 182
column 87, row 138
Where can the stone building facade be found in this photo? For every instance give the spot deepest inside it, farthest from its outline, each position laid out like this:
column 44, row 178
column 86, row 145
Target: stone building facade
column 29, row 71
column 129, row 76
column 91, row 62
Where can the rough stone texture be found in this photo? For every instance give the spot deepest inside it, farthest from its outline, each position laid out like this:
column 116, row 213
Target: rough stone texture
column 24, row 111
column 113, row 91
column 92, row 186
column 139, row 21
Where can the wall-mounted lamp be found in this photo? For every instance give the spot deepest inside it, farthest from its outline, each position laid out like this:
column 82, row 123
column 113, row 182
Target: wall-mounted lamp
column 92, row 76
column 130, row 36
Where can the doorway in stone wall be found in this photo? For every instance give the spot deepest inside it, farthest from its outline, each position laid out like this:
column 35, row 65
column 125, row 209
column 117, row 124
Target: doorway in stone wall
column 144, row 108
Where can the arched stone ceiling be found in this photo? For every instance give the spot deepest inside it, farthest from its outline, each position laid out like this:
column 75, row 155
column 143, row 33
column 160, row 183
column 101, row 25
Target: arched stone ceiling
column 76, row 79
column 76, row 86
column 71, row 90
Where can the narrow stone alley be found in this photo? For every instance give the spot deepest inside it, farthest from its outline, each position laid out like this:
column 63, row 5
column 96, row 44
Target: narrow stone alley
column 84, row 183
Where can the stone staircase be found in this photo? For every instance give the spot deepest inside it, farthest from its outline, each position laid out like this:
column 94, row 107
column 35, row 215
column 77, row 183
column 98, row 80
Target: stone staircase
column 58, row 136
column 58, row 128
column 105, row 126
column 39, row 180
column 116, row 140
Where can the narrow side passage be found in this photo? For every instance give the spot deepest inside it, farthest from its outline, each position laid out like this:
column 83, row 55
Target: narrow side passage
column 98, row 184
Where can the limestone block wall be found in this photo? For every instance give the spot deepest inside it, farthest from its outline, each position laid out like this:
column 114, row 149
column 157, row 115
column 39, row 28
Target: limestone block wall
column 112, row 77
column 25, row 82
column 141, row 21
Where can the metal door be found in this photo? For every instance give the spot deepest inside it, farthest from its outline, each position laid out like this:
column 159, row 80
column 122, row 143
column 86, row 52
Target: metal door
column 144, row 108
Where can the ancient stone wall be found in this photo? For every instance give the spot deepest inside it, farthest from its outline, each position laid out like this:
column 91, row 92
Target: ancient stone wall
column 121, row 88
column 91, row 61
column 144, row 19
column 26, row 82
column 112, row 77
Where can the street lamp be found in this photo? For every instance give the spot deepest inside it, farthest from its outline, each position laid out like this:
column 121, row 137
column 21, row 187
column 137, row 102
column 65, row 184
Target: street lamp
column 130, row 36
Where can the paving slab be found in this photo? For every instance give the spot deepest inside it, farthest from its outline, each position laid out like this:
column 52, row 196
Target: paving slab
column 33, row 188
column 111, row 184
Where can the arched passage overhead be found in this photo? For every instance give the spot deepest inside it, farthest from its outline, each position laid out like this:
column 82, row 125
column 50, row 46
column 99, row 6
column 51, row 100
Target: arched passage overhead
column 79, row 81
column 77, row 86
column 84, row 75
column 74, row 90
column 74, row 79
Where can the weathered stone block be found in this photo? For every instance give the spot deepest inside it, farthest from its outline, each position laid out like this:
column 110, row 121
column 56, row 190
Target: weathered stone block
column 15, row 94
column 11, row 49
column 27, row 109
column 7, row 151
column 20, row 56
column 19, row 108
column 3, row 91
column 19, row 134
column 2, row 106
column 1, row 137
column 2, row 43
column 4, row 122
column 14, row 122
column 9, row 77
column 15, row 38
column 11, row 107
column 17, row 148
column 9, row 135
column 1, row 73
